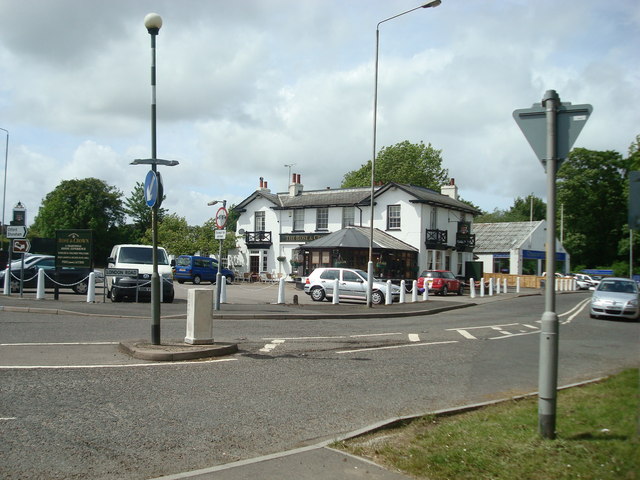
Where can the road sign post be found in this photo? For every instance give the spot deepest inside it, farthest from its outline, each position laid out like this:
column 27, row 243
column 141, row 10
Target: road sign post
column 221, row 221
column 551, row 128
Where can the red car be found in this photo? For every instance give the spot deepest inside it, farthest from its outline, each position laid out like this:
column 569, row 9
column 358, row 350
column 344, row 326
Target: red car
column 440, row 281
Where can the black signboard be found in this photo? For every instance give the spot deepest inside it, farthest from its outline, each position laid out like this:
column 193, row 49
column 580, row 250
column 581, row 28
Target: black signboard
column 74, row 248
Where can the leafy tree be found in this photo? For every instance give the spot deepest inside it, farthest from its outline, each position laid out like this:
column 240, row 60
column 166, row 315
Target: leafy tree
column 136, row 207
column 82, row 204
column 591, row 186
column 175, row 235
column 520, row 211
column 405, row 162
column 634, row 154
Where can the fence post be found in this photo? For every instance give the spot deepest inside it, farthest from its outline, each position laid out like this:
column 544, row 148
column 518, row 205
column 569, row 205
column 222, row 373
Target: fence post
column 40, row 288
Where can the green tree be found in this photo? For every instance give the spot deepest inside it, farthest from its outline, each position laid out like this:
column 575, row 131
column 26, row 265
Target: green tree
column 520, row 211
column 591, row 186
column 140, row 213
column 175, row 235
column 405, row 162
column 82, row 204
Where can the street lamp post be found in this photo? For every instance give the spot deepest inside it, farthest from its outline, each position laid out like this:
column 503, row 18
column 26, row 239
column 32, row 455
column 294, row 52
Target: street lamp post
column 4, row 189
column 431, row 4
column 216, row 305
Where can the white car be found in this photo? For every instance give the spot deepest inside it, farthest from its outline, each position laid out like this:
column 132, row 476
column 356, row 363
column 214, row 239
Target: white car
column 616, row 297
column 352, row 284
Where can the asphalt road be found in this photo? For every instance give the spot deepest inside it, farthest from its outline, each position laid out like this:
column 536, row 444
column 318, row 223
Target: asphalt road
column 293, row 383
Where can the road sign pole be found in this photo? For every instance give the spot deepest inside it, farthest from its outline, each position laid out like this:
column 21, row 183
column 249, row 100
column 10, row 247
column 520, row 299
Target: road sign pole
column 548, row 368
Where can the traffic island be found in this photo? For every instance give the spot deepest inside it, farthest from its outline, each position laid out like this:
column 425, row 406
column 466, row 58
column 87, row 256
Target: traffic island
column 173, row 351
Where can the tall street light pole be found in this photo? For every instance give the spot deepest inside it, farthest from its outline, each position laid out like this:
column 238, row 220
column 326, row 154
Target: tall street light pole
column 431, row 4
column 153, row 22
column 4, row 189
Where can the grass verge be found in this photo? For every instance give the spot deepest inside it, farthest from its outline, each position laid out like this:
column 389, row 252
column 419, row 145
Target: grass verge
column 597, row 438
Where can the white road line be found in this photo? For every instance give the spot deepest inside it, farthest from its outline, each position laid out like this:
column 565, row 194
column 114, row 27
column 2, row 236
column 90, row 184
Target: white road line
column 483, row 326
column 414, row 337
column 376, row 334
column 575, row 313
column 532, row 327
column 270, row 346
column 509, row 335
column 43, row 344
column 391, row 347
column 466, row 334
column 4, row 419
column 80, row 367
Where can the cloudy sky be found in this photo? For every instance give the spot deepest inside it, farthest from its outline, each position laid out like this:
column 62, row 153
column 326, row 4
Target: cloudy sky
column 246, row 87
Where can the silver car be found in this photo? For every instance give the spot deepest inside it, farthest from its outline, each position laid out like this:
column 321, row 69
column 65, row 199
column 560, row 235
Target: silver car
column 352, row 284
column 616, row 297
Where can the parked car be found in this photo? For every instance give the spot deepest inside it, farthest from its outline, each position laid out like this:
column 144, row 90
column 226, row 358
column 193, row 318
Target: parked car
column 352, row 284
column 138, row 257
column 440, row 282
column 66, row 277
column 584, row 282
column 191, row 268
column 616, row 297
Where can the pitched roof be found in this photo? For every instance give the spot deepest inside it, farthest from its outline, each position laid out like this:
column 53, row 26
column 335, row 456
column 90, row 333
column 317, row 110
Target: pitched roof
column 358, row 237
column 503, row 236
column 354, row 196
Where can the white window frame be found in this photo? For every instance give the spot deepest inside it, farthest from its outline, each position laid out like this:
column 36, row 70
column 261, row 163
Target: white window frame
column 322, row 218
column 394, row 216
column 298, row 220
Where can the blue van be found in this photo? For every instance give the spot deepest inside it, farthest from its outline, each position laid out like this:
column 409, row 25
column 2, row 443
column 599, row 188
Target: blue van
column 190, row 268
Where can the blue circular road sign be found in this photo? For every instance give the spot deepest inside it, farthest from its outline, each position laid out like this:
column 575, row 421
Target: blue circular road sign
column 151, row 188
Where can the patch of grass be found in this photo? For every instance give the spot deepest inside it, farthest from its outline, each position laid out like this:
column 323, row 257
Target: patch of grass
column 597, row 438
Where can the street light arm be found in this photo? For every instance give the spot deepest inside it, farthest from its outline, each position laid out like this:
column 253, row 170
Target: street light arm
column 432, row 4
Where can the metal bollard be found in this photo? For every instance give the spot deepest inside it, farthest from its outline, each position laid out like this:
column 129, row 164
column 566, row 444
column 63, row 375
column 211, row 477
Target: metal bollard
column 518, row 285
column 40, row 288
column 491, row 287
column 7, row 282
column 281, row 291
column 482, row 287
column 91, row 291
column 497, row 286
column 223, row 289
column 504, row 289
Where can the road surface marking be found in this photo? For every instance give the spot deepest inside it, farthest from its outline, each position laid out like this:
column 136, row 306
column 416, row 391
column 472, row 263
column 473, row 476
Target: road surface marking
column 391, row 347
column 270, row 346
column 414, row 337
column 43, row 344
column 80, row 367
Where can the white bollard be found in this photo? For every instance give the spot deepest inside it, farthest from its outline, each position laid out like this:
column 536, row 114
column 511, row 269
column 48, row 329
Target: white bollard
column 425, row 294
column 91, row 291
column 414, row 291
column 402, row 292
column 199, row 319
column 40, row 288
column 491, row 287
column 497, row 286
column 504, row 288
column 7, row 282
column 336, row 294
column 518, row 285
column 388, row 298
column 482, row 287
column 472, row 288
column 281, row 291
column 223, row 289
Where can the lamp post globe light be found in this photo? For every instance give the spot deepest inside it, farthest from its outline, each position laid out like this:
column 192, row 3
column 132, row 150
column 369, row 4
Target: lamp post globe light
column 433, row 3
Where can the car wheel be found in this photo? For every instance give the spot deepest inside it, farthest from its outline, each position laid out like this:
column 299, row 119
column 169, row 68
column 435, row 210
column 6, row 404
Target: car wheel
column 180, row 282
column 230, row 280
column 461, row 290
column 377, row 298
column 196, row 280
column 168, row 298
column 444, row 291
column 115, row 296
column 14, row 285
column 317, row 294
column 81, row 288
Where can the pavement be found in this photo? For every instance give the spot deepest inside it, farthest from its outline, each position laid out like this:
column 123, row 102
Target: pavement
column 255, row 301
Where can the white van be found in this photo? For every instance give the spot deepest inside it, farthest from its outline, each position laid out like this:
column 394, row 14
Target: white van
column 139, row 257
